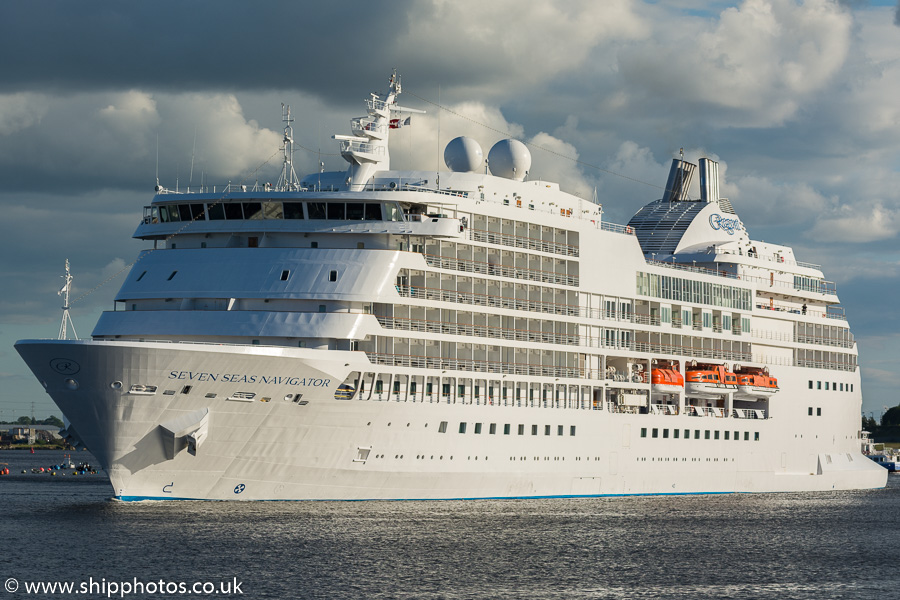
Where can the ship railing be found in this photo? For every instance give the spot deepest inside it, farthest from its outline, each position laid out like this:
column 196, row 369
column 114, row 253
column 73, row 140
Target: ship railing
column 826, row 364
column 470, row 330
column 480, row 366
column 348, row 146
column 816, row 287
column 798, row 311
column 772, row 258
column 518, row 241
column 748, row 413
column 411, row 187
column 363, row 124
column 663, row 409
column 827, row 341
column 616, row 228
column 691, row 268
column 484, row 268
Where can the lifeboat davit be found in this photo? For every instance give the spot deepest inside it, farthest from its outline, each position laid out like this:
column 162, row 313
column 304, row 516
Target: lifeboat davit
column 754, row 383
column 709, row 381
column 665, row 378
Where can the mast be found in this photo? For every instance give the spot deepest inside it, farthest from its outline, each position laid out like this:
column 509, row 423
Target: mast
column 288, row 180
column 367, row 149
column 66, row 318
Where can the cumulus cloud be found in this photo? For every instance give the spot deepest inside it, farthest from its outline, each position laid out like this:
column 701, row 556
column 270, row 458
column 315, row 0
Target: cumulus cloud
column 752, row 67
column 859, row 224
column 20, row 111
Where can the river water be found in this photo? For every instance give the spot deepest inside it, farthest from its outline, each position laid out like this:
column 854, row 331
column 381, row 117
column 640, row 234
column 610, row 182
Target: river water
column 806, row 545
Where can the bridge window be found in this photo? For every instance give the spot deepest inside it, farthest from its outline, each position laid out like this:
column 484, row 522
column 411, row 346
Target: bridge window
column 316, row 210
column 293, row 210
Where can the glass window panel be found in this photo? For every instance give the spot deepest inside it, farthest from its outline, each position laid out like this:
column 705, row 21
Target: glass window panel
column 373, row 212
column 335, row 211
column 272, row 210
column 197, row 212
column 184, row 212
column 293, row 210
column 233, row 211
column 316, row 210
column 253, row 210
column 164, row 214
column 355, row 211
column 216, row 212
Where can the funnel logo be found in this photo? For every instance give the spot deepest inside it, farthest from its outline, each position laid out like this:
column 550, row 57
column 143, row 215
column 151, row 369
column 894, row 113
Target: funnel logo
column 717, row 221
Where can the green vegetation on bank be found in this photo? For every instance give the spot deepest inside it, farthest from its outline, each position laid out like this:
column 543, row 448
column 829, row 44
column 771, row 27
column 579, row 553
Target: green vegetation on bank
column 52, row 420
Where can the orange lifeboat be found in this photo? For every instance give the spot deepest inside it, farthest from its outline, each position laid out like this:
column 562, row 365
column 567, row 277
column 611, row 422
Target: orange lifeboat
column 709, row 380
column 665, row 378
column 755, row 383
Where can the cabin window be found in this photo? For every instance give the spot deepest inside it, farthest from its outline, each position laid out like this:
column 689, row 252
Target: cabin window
column 755, row 436
column 373, row 212
column 233, row 211
column 717, row 434
column 810, row 411
column 810, row 384
column 293, row 210
column 559, row 430
column 335, row 211
column 332, row 276
column 727, row 434
column 186, row 389
column 272, row 210
column 314, row 244
column 819, row 411
column 356, row 211
column 546, row 430
column 141, row 276
column 655, row 432
column 215, row 212
column 675, row 433
column 643, row 432
column 737, row 436
column 746, row 436
column 521, row 429
column 477, row 427
column 696, row 434
column 253, row 211
column 687, row 434
column 706, row 434
column 506, row 429
column 321, row 308
column 665, row 433
column 442, row 428
column 534, row 430
column 172, row 275
column 493, row 429
column 462, row 427
column 253, row 242
column 285, row 275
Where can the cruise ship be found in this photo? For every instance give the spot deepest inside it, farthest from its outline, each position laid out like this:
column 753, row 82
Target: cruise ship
column 469, row 333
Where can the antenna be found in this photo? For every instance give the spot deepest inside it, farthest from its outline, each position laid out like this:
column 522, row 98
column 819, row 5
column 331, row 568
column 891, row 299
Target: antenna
column 193, row 150
column 288, row 179
column 66, row 318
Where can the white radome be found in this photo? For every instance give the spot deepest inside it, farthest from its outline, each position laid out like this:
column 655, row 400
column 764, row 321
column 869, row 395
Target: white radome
column 509, row 159
column 463, row 155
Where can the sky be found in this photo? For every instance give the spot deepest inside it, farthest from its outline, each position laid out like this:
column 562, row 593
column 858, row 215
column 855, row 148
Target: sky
column 796, row 100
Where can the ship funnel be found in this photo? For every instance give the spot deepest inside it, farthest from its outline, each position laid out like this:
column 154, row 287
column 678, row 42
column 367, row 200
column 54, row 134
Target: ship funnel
column 679, row 180
column 709, row 180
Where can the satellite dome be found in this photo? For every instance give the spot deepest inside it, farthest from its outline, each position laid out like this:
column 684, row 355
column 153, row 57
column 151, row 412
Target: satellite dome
column 463, row 155
column 510, row 159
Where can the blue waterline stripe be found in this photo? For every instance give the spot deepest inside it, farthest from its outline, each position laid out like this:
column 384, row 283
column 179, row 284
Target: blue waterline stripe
column 152, row 498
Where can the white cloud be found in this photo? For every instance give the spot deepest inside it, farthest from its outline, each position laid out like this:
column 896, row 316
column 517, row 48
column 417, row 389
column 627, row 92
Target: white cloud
column 20, row 111
column 753, row 67
column 859, row 223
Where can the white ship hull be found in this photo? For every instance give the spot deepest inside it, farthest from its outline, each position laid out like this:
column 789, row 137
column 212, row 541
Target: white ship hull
column 390, row 449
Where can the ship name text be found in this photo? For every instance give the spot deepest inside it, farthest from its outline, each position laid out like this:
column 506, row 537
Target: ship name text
column 245, row 378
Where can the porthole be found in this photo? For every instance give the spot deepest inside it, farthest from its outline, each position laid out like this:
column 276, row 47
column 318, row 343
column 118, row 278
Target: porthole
column 72, row 384
column 116, row 385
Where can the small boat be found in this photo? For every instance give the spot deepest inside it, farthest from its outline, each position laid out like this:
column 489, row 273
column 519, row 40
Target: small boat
column 665, row 378
column 705, row 380
column 754, row 383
